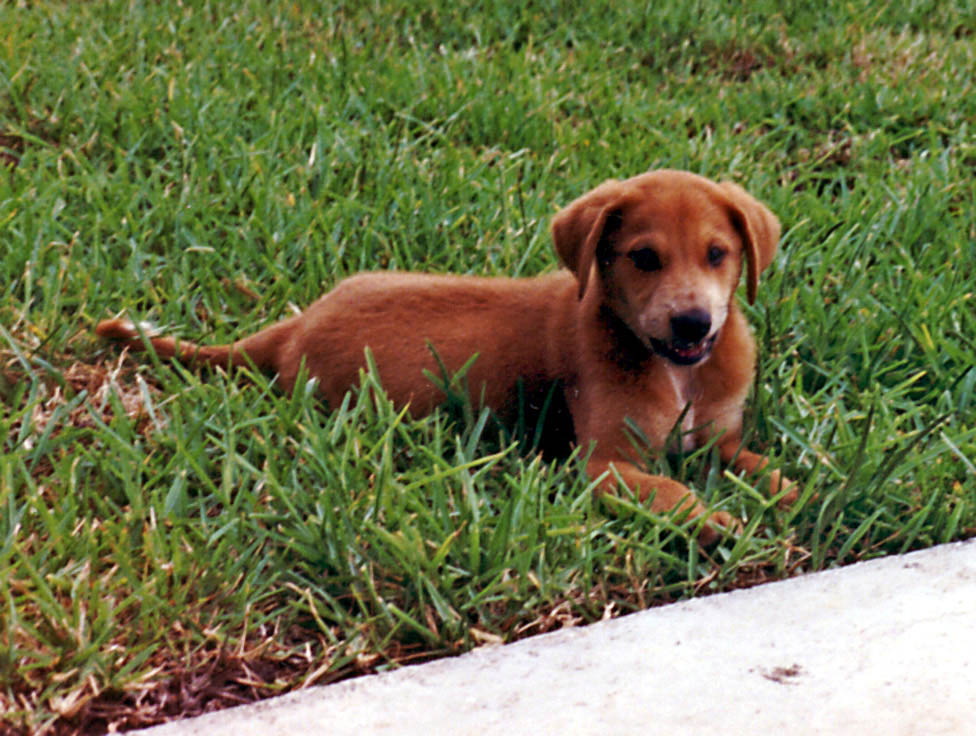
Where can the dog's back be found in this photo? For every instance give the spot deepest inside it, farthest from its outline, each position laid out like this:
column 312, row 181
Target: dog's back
column 412, row 323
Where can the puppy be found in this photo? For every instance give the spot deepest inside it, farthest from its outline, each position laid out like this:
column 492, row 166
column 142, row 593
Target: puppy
column 643, row 324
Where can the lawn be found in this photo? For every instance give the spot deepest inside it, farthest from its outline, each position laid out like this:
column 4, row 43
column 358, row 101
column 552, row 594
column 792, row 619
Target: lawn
column 174, row 541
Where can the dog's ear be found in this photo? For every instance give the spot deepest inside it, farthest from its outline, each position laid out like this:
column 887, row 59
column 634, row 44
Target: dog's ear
column 578, row 229
column 759, row 229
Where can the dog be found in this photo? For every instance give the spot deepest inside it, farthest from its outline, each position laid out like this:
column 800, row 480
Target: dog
column 642, row 324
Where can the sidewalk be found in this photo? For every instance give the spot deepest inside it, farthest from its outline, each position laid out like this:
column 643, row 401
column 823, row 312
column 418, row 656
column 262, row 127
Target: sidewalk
column 884, row 647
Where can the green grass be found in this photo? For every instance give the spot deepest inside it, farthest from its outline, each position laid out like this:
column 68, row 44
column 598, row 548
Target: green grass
column 172, row 539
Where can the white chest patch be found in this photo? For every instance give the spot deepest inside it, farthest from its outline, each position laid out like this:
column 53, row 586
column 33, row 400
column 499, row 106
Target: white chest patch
column 683, row 382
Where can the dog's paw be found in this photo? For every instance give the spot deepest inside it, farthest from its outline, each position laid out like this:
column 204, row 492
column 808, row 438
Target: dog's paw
column 718, row 525
column 778, row 483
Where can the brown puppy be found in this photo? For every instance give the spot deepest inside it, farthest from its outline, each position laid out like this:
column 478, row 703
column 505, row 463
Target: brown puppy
column 644, row 325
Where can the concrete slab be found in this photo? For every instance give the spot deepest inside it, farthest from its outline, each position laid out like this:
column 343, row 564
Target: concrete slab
column 885, row 647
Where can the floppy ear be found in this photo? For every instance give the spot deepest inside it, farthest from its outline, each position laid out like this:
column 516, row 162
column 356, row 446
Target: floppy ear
column 578, row 229
column 759, row 229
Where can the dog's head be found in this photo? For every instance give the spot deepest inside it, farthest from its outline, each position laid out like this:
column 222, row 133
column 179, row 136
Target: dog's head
column 667, row 249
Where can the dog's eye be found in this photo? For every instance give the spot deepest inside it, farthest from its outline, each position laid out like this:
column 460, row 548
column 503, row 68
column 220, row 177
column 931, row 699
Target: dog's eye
column 645, row 259
column 716, row 255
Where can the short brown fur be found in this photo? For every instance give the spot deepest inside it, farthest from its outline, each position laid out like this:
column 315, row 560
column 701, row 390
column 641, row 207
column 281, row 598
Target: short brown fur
column 643, row 324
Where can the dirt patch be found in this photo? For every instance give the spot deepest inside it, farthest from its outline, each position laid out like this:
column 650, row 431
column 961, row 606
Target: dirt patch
column 11, row 147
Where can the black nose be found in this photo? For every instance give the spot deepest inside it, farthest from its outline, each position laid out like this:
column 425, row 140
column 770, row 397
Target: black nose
column 691, row 326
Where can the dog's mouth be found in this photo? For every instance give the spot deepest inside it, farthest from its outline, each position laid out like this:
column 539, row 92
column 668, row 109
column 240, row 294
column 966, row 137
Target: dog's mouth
column 683, row 352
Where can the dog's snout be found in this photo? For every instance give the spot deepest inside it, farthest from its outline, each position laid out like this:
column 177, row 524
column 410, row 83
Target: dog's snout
column 691, row 326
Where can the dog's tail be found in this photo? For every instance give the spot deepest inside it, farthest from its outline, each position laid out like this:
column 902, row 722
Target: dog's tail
column 137, row 338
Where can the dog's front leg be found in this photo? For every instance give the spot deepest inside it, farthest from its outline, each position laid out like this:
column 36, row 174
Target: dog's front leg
column 665, row 494
column 731, row 452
